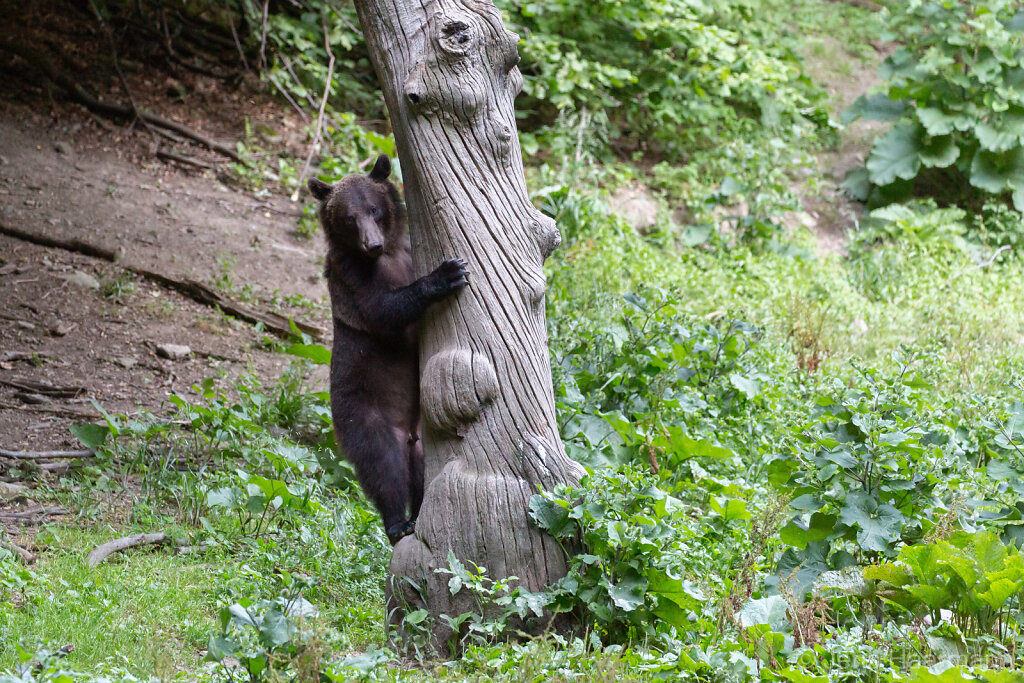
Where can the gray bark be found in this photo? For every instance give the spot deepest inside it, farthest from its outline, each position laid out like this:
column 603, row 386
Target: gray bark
column 448, row 72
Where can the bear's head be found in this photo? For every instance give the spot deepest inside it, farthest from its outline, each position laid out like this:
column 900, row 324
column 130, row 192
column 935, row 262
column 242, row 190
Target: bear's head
column 361, row 215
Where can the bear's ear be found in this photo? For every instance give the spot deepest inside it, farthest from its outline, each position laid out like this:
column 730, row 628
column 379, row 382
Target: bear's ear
column 319, row 188
column 381, row 169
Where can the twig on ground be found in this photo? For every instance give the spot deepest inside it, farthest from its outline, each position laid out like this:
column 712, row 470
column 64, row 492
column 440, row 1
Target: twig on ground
column 30, row 356
column 33, row 516
column 53, row 410
column 45, row 455
column 196, row 291
column 117, row 545
column 323, row 105
column 984, row 264
column 171, row 156
column 43, row 388
column 26, row 556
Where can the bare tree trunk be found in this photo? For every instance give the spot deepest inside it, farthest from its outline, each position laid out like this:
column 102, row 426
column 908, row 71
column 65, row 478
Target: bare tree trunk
column 449, row 76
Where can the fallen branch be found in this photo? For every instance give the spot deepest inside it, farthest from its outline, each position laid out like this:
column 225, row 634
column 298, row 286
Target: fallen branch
column 171, row 156
column 26, row 556
column 43, row 388
column 44, row 455
column 197, row 291
column 78, row 94
column 52, row 410
column 203, row 294
column 33, row 516
column 117, row 545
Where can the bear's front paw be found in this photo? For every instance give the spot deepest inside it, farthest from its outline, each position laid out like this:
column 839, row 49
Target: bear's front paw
column 450, row 277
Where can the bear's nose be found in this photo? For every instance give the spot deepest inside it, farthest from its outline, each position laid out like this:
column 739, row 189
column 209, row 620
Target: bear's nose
column 375, row 249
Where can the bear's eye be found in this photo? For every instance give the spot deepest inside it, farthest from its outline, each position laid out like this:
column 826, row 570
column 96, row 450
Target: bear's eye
column 375, row 212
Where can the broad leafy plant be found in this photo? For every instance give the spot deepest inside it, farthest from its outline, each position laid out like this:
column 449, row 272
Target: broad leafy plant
column 976, row 577
column 955, row 92
column 866, row 475
column 648, row 388
column 629, row 579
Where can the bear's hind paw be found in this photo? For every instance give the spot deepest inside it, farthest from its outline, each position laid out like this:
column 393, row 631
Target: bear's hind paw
column 397, row 532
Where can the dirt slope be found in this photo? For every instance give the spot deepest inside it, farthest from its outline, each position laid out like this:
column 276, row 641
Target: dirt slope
column 69, row 177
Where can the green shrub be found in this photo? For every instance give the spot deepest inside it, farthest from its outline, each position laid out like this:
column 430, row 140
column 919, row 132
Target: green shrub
column 955, row 92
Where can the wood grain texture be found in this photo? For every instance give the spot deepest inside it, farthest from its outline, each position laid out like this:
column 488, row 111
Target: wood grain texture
column 449, row 76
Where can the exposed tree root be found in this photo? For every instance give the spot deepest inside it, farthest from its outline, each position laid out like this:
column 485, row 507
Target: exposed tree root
column 196, row 291
column 117, row 545
column 77, row 93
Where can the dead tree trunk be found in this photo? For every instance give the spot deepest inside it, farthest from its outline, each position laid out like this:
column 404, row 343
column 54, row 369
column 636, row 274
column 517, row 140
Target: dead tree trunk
column 449, row 76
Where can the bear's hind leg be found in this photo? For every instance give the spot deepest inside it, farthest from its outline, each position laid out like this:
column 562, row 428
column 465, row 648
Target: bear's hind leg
column 379, row 457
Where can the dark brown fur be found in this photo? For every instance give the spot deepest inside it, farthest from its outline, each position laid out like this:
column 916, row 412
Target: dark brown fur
column 376, row 306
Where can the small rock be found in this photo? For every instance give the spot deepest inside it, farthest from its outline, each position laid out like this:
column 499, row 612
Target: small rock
column 3, row 160
column 12, row 492
column 25, row 325
column 635, row 206
column 82, row 279
column 173, row 351
column 126, row 362
column 8, row 269
column 62, row 329
column 62, row 147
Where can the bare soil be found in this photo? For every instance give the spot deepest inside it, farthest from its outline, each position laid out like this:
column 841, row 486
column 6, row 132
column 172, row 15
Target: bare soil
column 63, row 173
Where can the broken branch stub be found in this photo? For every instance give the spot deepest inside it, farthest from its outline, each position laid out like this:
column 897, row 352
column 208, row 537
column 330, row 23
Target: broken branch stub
column 448, row 72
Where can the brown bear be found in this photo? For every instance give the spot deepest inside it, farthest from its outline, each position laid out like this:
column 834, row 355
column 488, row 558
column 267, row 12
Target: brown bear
column 376, row 305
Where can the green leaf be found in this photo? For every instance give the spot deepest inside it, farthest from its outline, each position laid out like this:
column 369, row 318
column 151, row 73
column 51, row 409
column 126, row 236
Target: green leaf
column 730, row 508
column 939, row 151
column 416, row 617
column 227, row 497
column 274, row 629
column 874, row 108
column 857, row 184
column 771, row 611
column 750, row 388
column 628, row 594
column 999, row 591
column 996, row 139
column 878, row 525
column 819, row 528
column 936, row 121
column 682, row 592
column 896, row 574
column 683, row 447
column 797, row 676
column 550, row 516
column 314, row 352
column 92, row 436
column 896, row 155
column 994, row 172
column 219, row 647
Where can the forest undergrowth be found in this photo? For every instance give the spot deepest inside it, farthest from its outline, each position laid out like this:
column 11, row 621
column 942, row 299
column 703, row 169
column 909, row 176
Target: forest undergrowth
column 803, row 464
